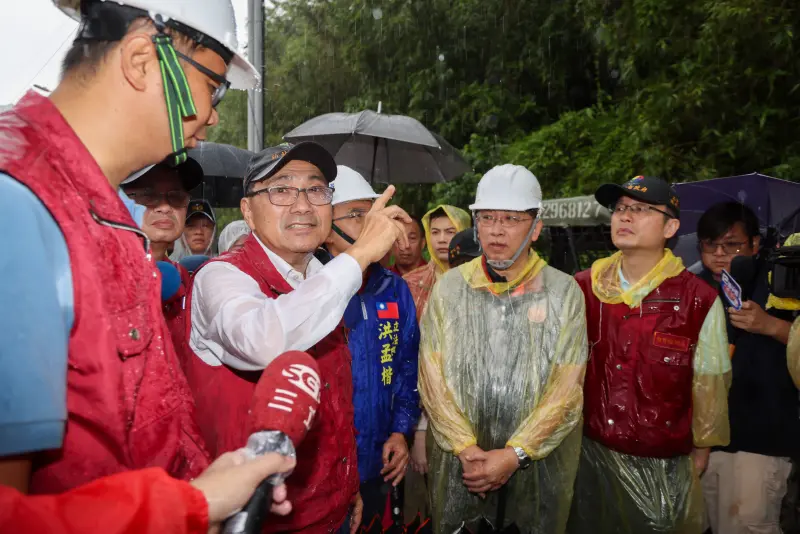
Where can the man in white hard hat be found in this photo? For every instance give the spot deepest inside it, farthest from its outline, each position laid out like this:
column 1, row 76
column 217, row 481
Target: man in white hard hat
column 271, row 296
column 502, row 358
column 91, row 380
column 383, row 338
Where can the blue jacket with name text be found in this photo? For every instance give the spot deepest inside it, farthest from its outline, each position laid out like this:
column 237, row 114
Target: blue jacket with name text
column 383, row 337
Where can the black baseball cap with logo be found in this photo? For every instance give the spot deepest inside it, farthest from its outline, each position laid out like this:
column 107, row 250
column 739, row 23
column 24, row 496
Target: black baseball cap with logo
column 269, row 161
column 463, row 247
column 200, row 207
column 648, row 189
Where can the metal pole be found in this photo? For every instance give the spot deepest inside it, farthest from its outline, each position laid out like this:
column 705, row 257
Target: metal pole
column 255, row 53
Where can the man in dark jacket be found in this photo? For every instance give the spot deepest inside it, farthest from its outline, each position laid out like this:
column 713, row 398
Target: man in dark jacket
column 383, row 338
column 746, row 480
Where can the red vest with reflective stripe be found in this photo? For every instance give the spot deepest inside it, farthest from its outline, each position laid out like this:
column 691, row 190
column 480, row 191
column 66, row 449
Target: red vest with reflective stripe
column 638, row 387
column 326, row 476
column 128, row 403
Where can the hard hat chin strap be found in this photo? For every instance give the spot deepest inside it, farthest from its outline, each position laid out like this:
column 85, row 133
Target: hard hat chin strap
column 177, row 94
column 343, row 235
column 504, row 265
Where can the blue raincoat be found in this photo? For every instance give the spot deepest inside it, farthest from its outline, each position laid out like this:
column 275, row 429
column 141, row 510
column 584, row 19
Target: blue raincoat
column 383, row 337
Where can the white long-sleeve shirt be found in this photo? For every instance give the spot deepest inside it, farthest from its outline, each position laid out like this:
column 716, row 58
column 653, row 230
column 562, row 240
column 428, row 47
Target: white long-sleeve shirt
column 236, row 324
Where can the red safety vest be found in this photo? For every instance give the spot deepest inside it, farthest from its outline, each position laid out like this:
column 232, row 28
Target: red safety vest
column 129, row 406
column 638, row 387
column 326, row 477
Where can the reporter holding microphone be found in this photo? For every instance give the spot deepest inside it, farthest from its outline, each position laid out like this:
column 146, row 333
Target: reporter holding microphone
column 272, row 296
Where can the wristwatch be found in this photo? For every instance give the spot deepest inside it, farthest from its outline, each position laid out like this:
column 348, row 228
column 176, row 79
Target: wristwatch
column 524, row 460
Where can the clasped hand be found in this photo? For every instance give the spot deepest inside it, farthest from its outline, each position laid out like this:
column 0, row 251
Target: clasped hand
column 486, row 471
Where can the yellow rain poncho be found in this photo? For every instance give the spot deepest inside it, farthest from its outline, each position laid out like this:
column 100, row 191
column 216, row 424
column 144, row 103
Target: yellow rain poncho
column 502, row 364
column 626, row 494
column 793, row 352
column 420, row 281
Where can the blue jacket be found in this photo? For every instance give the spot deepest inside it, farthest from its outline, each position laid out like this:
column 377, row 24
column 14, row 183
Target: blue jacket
column 383, row 337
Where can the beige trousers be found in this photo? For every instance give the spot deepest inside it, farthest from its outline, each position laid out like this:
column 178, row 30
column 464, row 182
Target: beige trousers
column 743, row 492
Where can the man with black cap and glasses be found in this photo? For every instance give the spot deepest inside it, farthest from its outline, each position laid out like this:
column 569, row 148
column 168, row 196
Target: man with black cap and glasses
column 656, row 387
column 91, row 382
column 272, row 295
column 163, row 191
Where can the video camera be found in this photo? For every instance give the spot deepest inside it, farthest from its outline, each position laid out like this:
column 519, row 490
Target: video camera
column 785, row 262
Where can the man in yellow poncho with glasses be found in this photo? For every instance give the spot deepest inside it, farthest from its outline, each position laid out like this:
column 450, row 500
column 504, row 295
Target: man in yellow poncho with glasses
column 502, row 359
column 656, row 389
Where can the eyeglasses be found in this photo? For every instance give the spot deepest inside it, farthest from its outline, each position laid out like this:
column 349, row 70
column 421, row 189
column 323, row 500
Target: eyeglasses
column 223, row 83
column 355, row 214
column 637, row 210
column 729, row 248
column 281, row 195
column 506, row 221
column 150, row 199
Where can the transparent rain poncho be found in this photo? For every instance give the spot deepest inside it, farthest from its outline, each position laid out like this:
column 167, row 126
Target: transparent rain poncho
column 420, row 281
column 793, row 352
column 621, row 493
column 503, row 364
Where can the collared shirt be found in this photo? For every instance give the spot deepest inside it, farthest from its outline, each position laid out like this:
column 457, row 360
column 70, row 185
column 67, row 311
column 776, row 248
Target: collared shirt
column 236, row 324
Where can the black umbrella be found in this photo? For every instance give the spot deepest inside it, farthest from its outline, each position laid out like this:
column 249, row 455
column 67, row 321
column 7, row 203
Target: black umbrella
column 392, row 149
column 224, row 167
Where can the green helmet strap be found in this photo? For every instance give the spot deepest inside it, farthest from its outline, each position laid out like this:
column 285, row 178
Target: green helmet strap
column 177, row 95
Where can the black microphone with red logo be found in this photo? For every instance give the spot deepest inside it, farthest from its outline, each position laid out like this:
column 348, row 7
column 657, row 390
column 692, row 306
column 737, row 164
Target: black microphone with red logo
column 284, row 403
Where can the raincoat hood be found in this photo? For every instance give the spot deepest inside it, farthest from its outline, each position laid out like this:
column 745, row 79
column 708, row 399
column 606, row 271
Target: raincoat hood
column 230, row 234
column 182, row 248
column 460, row 219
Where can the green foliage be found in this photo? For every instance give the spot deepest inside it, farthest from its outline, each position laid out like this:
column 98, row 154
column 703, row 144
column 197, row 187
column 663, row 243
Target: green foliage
column 580, row 91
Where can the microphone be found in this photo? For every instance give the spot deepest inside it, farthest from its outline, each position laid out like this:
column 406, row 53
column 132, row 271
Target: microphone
column 284, row 403
column 192, row 263
column 743, row 270
column 170, row 280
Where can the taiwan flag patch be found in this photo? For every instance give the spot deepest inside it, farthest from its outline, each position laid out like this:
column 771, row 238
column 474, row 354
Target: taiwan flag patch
column 388, row 310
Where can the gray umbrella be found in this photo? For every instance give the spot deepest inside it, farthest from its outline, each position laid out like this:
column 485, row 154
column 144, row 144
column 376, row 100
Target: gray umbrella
column 224, row 167
column 390, row 149
column 221, row 160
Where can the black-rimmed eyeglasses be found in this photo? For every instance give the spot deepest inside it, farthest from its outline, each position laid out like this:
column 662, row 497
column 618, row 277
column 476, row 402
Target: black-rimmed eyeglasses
column 223, row 83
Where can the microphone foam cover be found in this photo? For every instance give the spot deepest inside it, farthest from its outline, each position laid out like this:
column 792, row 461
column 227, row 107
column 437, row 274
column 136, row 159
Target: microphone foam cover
column 170, row 279
column 287, row 396
column 192, row 263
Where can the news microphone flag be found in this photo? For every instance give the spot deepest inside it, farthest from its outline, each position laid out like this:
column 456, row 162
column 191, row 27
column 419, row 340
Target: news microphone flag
column 388, row 310
column 285, row 401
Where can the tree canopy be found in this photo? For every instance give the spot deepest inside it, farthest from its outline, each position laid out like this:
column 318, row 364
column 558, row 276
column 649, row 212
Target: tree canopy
column 579, row 91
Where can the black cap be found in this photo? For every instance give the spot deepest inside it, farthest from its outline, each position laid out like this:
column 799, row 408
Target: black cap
column 190, row 172
column 270, row 160
column 648, row 189
column 463, row 247
column 200, row 206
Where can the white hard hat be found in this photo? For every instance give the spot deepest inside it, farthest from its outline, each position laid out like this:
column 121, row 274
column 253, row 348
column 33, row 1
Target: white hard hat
column 213, row 18
column 349, row 185
column 509, row 188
